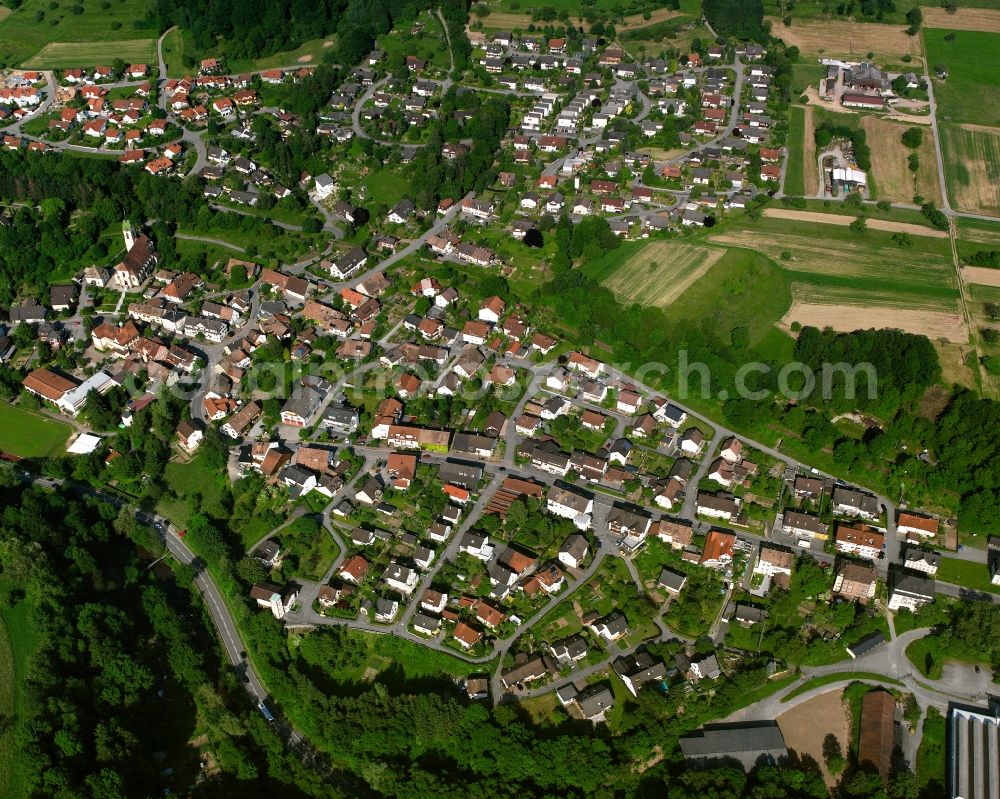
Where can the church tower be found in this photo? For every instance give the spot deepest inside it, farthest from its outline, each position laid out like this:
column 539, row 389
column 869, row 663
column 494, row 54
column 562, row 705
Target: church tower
column 130, row 234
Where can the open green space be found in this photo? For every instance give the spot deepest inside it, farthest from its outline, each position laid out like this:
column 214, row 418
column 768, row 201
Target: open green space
column 186, row 481
column 805, row 75
column 386, row 186
column 871, row 266
column 840, row 676
column 18, row 639
column 966, row 574
column 743, row 289
column 173, row 50
column 43, row 34
column 971, row 92
column 31, row 435
column 307, row 54
column 795, row 184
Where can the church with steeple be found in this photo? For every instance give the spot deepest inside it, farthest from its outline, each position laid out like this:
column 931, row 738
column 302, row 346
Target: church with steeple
column 140, row 258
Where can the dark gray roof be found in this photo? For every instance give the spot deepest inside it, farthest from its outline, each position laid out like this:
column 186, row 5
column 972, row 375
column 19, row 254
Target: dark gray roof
column 671, row 579
column 595, row 700
column 912, row 583
column 917, row 554
column 866, row 644
column 723, row 740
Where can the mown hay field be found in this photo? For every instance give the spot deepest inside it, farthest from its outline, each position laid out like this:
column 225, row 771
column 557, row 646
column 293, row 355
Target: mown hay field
column 59, row 55
column 34, row 24
column 972, row 167
column 660, row 272
column 870, row 264
column 835, row 37
column 964, row 19
column 893, row 177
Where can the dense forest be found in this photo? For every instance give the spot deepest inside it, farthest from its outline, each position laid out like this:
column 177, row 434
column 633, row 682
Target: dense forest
column 739, row 19
column 254, row 28
column 124, row 669
column 902, row 366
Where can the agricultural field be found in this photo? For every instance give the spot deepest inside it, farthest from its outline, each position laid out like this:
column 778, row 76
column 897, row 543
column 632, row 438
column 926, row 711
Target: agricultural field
column 658, row 273
column 59, row 55
column 799, row 127
column 29, row 35
column 972, row 167
column 846, row 317
column 844, row 220
column 850, row 39
column 890, row 162
column 971, row 93
column 799, row 725
column 834, row 255
column 979, row 231
column 981, row 275
column 964, row 19
column 507, row 14
column 31, row 435
column 837, row 276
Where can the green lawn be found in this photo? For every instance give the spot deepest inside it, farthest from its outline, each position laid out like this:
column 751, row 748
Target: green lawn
column 186, row 480
column 173, row 50
column 18, row 640
column 743, row 289
column 308, row 53
column 31, row 435
column 806, row 75
column 840, row 676
column 795, row 184
column 47, row 34
column 600, row 269
column 387, row 186
column 971, row 92
column 966, row 574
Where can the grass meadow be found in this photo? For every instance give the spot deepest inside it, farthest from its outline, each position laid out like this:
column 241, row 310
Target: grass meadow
column 971, row 93
column 94, row 35
column 31, row 435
